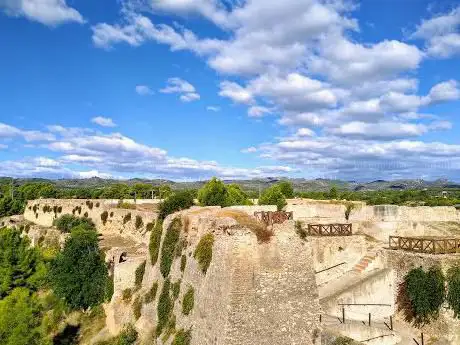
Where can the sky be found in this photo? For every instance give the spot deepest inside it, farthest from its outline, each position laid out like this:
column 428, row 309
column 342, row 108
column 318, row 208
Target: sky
column 189, row 89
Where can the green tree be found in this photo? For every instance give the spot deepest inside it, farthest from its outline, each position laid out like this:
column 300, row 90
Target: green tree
column 286, row 189
column 333, row 193
column 20, row 319
column 79, row 274
column 236, row 196
column 453, row 289
column 213, row 193
column 273, row 196
column 176, row 202
column 20, row 265
column 67, row 222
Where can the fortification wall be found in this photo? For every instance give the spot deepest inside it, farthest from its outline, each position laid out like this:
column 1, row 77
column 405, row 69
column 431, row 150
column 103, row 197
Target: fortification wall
column 44, row 211
column 252, row 293
column 335, row 250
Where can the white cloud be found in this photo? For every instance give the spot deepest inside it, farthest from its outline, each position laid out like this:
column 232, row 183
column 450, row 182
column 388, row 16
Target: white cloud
column 103, row 121
column 235, row 92
column 213, row 108
column 47, row 12
column 7, row 131
column 259, row 111
column 184, row 88
column 93, row 173
column 441, row 34
column 445, row 91
column 144, row 90
column 251, row 149
column 305, row 132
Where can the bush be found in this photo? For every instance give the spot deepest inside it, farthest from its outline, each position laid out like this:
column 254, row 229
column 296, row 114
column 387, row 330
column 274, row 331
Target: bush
column 126, row 295
column 104, row 216
column 79, row 274
column 183, row 262
column 188, row 301
column 151, row 294
column 149, row 227
column 286, row 189
column 236, row 196
column 421, row 295
column 273, row 196
column 176, row 202
column 155, row 242
column 139, row 275
column 67, row 222
column 90, row 204
column 168, row 249
column 182, row 337
column 128, row 336
column 203, row 252
column 350, row 206
column 127, row 218
column 300, row 230
column 137, row 308
column 138, row 222
column 453, row 290
column 126, row 205
column 175, row 289
column 164, row 308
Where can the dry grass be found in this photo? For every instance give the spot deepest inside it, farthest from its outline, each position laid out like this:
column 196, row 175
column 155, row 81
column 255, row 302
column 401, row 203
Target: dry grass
column 261, row 231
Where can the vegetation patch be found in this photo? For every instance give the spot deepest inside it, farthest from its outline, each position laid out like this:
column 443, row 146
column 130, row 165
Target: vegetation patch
column 421, row 295
column 183, row 262
column 168, row 248
column 104, row 216
column 182, row 337
column 188, row 301
column 128, row 336
column 127, row 218
column 273, row 196
column 151, row 294
column 155, row 242
column 300, row 230
column 453, row 290
column 85, row 215
column 258, row 228
column 126, row 295
column 68, row 222
column 126, row 205
column 90, row 204
column 203, row 252
column 139, row 275
column 175, row 289
column 170, row 329
column 176, row 202
column 164, row 308
column 137, row 308
column 348, row 208
column 47, row 208
column 138, row 222
column 149, row 227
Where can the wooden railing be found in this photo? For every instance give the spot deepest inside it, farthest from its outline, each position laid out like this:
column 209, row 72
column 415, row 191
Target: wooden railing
column 329, row 230
column 428, row 245
column 270, row 217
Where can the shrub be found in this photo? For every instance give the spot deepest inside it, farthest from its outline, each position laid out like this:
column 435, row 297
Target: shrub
column 67, row 222
column 98, row 204
column 183, row 262
column 421, row 295
column 236, row 196
column 59, row 209
column 149, row 227
column 138, row 222
column 453, row 290
column 85, row 215
column 155, row 242
column 137, row 308
column 170, row 329
column 349, row 207
column 127, row 218
column 126, row 295
column 182, row 337
column 168, row 249
column 104, row 216
column 286, row 189
column 188, row 301
column 260, row 229
column 300, row 230
column 164, row 308
column 111, row 214
column 90, row 204
column 47, row 208
column 139, row 275
column 151, row 294
column 273, row 196
column 203, row 252
column 79, row 274
column 176, row 202
column 175, row 289
column 126, row 205
column 128, row 336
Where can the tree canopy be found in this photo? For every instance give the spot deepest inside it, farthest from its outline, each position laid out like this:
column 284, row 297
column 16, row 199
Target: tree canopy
column 273, row 196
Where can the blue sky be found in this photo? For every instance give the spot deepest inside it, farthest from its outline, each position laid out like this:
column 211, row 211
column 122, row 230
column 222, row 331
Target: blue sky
column 188, row 89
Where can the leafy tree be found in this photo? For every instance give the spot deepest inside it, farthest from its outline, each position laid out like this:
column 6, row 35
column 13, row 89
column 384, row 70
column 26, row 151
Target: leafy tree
column 273, row 196
column 9, row 207
column 20, row 319
column 67, row 222
column 79, row 274
column 236, row 196
column 213, row 193
column 116, row 191
column 333, row 193
column 20, row 265
column 176, row 202
column 286, row 189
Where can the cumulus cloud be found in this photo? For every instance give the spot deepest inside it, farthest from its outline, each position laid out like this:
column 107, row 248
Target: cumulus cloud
column 7, row 131
column 441, row 34
column 103, row 121
column 47, row 12
column 213, row 108
column 184, row 88
column 259, row 111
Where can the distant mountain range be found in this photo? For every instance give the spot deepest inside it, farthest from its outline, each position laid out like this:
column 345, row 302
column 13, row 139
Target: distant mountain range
column 300, row 184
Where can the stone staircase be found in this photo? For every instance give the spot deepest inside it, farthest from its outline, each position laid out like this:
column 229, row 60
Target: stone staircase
column 365, row 262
